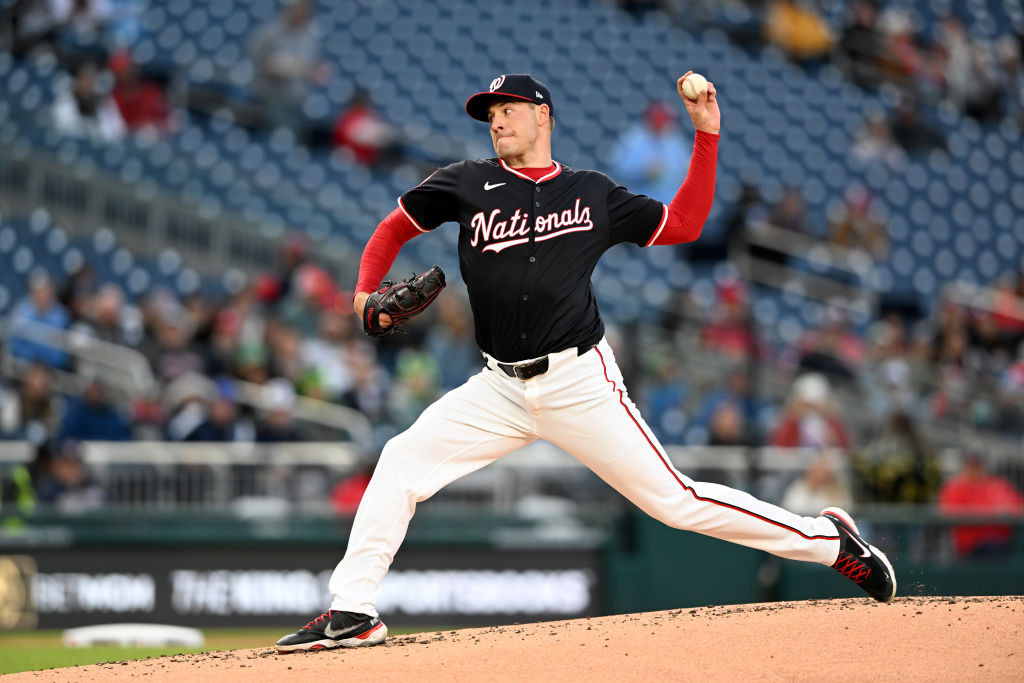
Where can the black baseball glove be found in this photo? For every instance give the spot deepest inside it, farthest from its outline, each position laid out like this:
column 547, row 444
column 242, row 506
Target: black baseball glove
column 401, row 300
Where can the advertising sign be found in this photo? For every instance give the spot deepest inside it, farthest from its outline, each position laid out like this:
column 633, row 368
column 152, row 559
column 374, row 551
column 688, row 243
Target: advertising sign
column 268, row 586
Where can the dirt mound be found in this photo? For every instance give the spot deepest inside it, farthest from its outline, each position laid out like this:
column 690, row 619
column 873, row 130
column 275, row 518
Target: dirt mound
column 934, row 638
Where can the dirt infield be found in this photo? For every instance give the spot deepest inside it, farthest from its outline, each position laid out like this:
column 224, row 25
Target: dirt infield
column 913, row 639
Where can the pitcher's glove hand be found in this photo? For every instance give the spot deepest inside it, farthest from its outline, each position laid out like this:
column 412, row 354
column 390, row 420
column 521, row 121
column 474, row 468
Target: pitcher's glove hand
column 401, row 300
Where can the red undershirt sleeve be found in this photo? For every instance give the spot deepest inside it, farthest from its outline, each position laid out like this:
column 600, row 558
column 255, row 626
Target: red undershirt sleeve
column 382, row 249
column 686, row 214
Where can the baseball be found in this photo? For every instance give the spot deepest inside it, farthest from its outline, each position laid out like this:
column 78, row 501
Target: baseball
column 694, row 85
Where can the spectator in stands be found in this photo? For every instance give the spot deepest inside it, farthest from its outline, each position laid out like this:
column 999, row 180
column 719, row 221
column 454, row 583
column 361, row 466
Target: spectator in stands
column 833, row 347
column 364, row 134
column 92, row 416
column 898, row 465
column 370, row 384
column 286, row 53
column 142, row 103
column 818, row 488
column 972, row 82
column 64, row 482
column 36, row 323
column 34, row 411
column 294, row 255
column 1011, row 395
column 278, row 422
column 810, row 418
column 221, row 351
column 345, row 496
column 900, row 62
column 28, row 25
column 730, row 330
column 1010, row 71
column 652, row 155
column 223, row 421
column 665, row 393
column 790, row 213
column 861, row 44
column 732, row 413
column 109, row 318
column 251, row 362
column 77, row 292
column 975, row 491
column 913, row 133
column 83, row 30
column 747, row 209
column 187, row 400
column 324, row 354
column 452, row 342
column 82, row 108
column 416, row 386
column 798, row 30
column 284, row 344
column 727, row 427
column 874, row 144
column 889, row 385
column 857, row 226
column 171, row 351
column 312, row 291
column 1008, row 307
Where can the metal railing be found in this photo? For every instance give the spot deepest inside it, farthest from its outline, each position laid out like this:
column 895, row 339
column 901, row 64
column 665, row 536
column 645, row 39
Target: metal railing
column 146, row 218
column 129, row 376
column 281, row 477
column 851, row 288
column 124, row 369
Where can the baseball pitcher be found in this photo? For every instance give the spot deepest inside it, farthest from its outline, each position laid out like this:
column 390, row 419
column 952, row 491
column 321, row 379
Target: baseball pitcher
column 531, row 231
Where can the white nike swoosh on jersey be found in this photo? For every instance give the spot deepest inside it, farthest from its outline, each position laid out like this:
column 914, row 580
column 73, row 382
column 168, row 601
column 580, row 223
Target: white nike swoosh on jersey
column 489, row 186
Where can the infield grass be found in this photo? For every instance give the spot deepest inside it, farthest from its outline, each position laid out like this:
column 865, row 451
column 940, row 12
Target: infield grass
column 36, row 650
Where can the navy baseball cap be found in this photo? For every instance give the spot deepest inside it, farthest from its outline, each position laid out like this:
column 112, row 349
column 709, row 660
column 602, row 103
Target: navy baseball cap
column 509, row 87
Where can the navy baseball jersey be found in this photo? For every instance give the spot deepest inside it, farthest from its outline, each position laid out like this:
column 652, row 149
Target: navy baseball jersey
column 527, row 249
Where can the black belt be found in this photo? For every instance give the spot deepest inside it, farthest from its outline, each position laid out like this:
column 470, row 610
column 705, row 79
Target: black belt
column 534, row 368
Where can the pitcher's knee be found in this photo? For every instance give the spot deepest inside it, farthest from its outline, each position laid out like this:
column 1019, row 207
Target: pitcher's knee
column 400, row 463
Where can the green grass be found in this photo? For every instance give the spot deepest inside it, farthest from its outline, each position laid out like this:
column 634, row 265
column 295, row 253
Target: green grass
column 36, row 650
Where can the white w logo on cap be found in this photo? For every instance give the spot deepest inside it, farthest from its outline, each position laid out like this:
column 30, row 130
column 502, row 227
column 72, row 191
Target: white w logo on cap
column 496, row 83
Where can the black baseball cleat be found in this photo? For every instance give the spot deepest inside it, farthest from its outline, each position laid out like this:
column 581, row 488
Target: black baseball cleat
column 335, row 629
column 862, row 563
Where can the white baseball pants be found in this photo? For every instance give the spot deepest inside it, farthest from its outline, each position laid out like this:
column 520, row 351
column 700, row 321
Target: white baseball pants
column 581, row 406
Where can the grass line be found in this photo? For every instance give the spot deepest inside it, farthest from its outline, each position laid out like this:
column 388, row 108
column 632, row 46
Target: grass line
column 39, row 650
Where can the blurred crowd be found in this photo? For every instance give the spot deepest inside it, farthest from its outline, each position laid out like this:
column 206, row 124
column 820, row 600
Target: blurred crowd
column 876, row 43
column 878, row 392
column 105, row 95
column 877, row 396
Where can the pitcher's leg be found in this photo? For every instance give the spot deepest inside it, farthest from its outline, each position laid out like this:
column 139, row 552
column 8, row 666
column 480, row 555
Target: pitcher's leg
column 464, row 430
column 618, row 446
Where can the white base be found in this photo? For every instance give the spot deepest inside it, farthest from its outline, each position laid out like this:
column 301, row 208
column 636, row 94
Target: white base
column 133, row 635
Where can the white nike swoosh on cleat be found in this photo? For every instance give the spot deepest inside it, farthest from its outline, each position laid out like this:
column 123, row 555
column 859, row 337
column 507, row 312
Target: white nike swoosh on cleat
column 489, row 186
column 866, row 552
column 330, row 632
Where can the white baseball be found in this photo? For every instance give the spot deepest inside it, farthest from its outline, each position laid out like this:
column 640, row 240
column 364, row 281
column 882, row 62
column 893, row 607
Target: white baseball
column 694, row 85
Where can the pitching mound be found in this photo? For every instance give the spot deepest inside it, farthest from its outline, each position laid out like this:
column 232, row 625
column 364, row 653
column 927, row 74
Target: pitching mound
column 957, row 638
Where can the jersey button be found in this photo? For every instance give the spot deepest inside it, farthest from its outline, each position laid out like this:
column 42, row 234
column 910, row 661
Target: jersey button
column 538, row 188
column 537, row 204
column 522, row 336
column 526, row 297
column 532, row 259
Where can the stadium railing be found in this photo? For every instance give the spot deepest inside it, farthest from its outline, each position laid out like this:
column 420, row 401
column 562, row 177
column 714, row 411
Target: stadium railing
column 146, row 219
column 221, row 477
column 128, row 374
column 833, row 274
